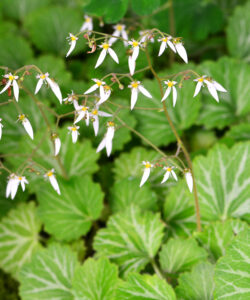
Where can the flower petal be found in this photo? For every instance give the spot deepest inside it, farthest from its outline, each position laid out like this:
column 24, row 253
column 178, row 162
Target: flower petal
column 212, row 90
column 135, row 52
column 162, row 48
column 57, row 145
column 75, row 134
column 113, row 55
column 197, row 88
column 174, row 175
column 39, row 85
column 174, row 95
column 55, row 89
column 166, row 176
column 16, row 89
column 101, row 145
column 72, row 47
column 101, row 58
column 182, row 52
column 134, row 96
column 131, row 64
column 145, row 176
column 189, row 180
column 144, row 91
column 27, row 126
column 171, row 45
column 91, row 89
column 219, row 87
column 6, row 86
column 168, row 90
column 96, row 125
column 54, row 184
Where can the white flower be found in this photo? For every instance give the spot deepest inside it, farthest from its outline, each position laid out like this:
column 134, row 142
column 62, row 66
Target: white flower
column 180, row 49
column 169, row 170
column 53, row 181
column 146, row 35
column 146, row 172
column 189, row 179
column 98, row 84
column 70, row 98
column 81, row 113
column 12, row 80
column 119, row 31
column 53, row 85
column 131, row 65
column 22, row 180
column 12, row 186
column 107, row 140
column 72, row 41
column 106, row 49
column 213, row 86
column 105, row 95
column 26, row 124
column 135, row 52
column 87, row 25
column 1, row 130
column 170, row 88
column 74, row 132
column 57, row 143
column 199, row 84
column 165, row 42
column 136, row 87
column 94, row 117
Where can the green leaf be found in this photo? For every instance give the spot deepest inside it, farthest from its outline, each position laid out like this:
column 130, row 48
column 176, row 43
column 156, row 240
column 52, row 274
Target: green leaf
column 223, row 182
column 232, row 270
column 179, row 211
column 131, row 239
column 237, row 133
column 49, row 27
column 9, row 56
column 96, row 280
column 179, row 255
column 127, row 191
column 49, row 274
column 145, row 287
column 238, row 32
column 197, row 284
column 112, row 11
column 144, row 7
column 216, row 237
column 19, row 233
column 233, row 76
column 70, row 215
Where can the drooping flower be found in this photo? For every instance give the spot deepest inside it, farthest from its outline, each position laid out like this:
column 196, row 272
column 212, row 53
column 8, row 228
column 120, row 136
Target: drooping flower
column 135, row 52
column 43, row 78
column 165, row 42
column 87, row 25
column 169, row 171
column 180, row 49
column 26, row 124
column 12, row 80
column 213, row 86
column 70, row 98
column 53, row 181
column 57, row 143
column 1, row 128
column 74, row 132
column 137, row 87
column 98, row 84
column 189, row 179
column 146, row 35
column 22, row 180
column 82, row 112
column 94, row 116
column 119, row 31
column 107, row 140
column 146, row 172
column 12, row 186
column 200, row 83
column 171, row 87
column 72, row 41
column 106, row 49
column 106, row 94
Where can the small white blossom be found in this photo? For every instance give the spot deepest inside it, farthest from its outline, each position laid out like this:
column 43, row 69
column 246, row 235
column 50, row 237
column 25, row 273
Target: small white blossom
column 106, row 49
column 146, row 172
column 12, row 80
column 12, row 186
column 57, row 143
column 87, row 25
column 95, row 113
column 171, row 87
column 119, row 31
column 74, row 132
column 53, row 181
column 81, row 113
column 165, row 42
column 200, row 83
column 98, row 85
column 1, row 130
column 136, row 87
column 180, row 49
column 22, row 180
column 107, row 140
column 213, row 86
column 70, row 98
column 169, row 171
column 105, row 95
column 146, row 35
column 72, row 41
column 189, row 179
column 26, row 124
column 52, row 84
column 135, row 52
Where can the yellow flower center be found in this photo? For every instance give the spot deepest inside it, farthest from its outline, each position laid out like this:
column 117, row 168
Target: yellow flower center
column 11, row 77
column 170, row 83
column 21, row 117
column 119, row 27
column 99, row 83
column 148, row 165
column 73, row 129
column 50, row 173
column 165, row 39
column 88, row 20
column 20, row 178
column 169, row 169
column 107, row 87
column 176, row 40
column 95, row 112
column 84, row 108
column 134, row 84
column 111, row 124
column 135, row 43
column 73, row 38
column 105, row 46
column 201, row 79
column 43, row 76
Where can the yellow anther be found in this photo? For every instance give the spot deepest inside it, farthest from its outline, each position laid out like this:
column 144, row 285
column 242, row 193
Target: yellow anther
column 11, row 77
column 201, row 79
column 73, row 129
column 135, row 84
column 88, row 20
column 119, row 27
column 43, row 76
column 135, row 44
column 95, row 112
column 147, row 165
column 20, row 178
column 84, row 108
column 111, row 124
column 169, row 169
column 50, row 173
column 99, row 83
column 73, row 38
column 107, row 87
column 105, row 46
column 170, row 83
column 165, row 39
column 21, row 117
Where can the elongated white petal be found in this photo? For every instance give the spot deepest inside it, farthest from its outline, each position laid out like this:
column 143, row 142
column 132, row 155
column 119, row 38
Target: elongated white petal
column 144, row 91
column 101, row 145
column 113, row 55
column 74, row 136
column 23, row 185
column 57, row 145
column 182, row 52
column 96, row 125
column 113, row 38
column 174, row 175
column 162, row 48
column 102, row 93
column 134, row 96
column 54, row 184
column 16, row 89
column 72, row 47
column 145, row 176
column 101, row 58
column 6, row 86
column 165, row 177
column 219, row 87
column 39, row 85
column 168, row 90
column 135, row 52
column 197, row 88
column 81, row 115
column 1, row 130
column 109, row 138
column 131, row 65
column 27, row 126
column 55, row 89
column 212, row 90
column 104, row 114
column 174, row 95
column 125, row 37
column 8, row 188
column 87, row 118
column 189, row 180
column 92, row 89
column 14, row 187
column 171, row 45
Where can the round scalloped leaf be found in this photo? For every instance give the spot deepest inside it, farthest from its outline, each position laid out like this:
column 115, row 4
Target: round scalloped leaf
column 179, row 255
column 233, row 76
column 96, row 280
column 223, row 182
column 70, row 215
column 145, row 7
column 131, row 239
column 49, row 274
column 145, row 287
column 126, row 192
column 238, row 32
column 19, row 234
column 49, row 27
column 197, row 284
column 232, row 270
column 237, row 133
